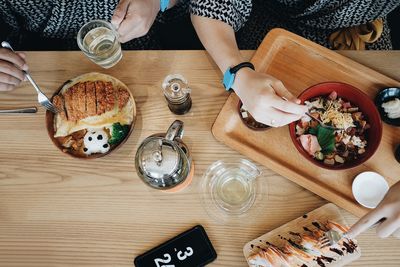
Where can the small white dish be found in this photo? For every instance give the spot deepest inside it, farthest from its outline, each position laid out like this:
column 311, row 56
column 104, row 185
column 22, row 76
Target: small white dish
column 369, row 188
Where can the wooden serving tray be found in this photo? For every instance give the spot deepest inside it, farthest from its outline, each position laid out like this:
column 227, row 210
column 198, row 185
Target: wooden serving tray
column 300, row 63
column 322, row 214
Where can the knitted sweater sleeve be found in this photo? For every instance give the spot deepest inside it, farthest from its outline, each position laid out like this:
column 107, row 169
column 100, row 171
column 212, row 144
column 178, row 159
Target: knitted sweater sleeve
column 334, row 14
column 232, row 12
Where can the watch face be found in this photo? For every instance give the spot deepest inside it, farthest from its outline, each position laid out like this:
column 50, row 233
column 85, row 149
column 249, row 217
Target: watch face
column 189, row 249
column 228, row 80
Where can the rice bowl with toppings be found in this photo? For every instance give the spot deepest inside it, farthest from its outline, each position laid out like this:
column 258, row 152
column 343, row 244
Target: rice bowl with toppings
column 358, row 126
column 328, row 145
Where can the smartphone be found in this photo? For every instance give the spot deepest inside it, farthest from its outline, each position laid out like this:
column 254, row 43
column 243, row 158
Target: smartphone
column 192, row 248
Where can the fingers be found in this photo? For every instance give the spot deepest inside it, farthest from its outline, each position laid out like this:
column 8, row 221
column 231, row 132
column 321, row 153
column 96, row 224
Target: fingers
column 275, row 118
column 133, row 26
column 8, row 82
column 396, row 233
column 11, row 64
column 366, row 222
column 128, row 32
column 388, row 227
column 12, row 70
column 10, row 56
column 120, row 13
column 21, row 54
column 265, row 101
column 8, row 79
column 287, row 106
column 6, row 87
column 281, row 91
column 135, row 18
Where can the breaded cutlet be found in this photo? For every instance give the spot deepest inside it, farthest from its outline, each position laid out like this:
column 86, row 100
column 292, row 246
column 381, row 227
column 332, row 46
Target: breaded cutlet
column 90, row 98
column 58, row 101
column 81, row 96
column 68, row 101
column 123, row 97
column 110, row 96
column 100, row 97
column 75, row 102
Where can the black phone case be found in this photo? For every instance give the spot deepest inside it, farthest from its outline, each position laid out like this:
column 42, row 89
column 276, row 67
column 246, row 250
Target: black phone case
column 207, row 242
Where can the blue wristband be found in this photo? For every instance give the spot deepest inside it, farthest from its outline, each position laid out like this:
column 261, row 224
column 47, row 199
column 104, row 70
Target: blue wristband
column 228, row 80
column 230, row 74
column 164, row 5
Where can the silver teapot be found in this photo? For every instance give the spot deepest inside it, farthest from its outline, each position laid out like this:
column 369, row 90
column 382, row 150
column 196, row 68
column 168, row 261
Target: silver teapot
column 164, row 162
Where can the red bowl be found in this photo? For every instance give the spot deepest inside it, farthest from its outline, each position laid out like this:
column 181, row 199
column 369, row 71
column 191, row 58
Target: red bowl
column 357, row 98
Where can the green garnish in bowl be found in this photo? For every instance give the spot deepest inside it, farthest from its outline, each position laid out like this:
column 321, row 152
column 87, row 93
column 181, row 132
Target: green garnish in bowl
column 118, row 133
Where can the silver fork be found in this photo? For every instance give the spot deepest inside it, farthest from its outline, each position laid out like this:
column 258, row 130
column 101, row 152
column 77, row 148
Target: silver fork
column 332, row 237
column 42, row 98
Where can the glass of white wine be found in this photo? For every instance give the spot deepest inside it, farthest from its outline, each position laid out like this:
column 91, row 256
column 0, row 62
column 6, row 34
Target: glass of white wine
column 98, row 40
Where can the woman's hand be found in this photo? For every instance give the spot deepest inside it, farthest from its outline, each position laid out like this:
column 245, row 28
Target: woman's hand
column 134, row 18
column 11, row 66
column 388, row 209
column 263, row 97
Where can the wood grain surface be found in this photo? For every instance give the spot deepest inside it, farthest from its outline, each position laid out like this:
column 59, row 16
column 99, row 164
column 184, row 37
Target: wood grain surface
column 60, row 211
column 299, row 64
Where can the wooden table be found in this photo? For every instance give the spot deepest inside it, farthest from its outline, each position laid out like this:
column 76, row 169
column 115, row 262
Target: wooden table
column 59, row 211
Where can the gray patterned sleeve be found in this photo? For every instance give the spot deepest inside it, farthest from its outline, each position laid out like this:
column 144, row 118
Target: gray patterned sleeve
column 10, row 28
column 4, row 30
column 233, row 12
column 8, row 21
column 334, row 14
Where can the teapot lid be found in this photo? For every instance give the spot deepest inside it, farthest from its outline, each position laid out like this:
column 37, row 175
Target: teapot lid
column 158, row 158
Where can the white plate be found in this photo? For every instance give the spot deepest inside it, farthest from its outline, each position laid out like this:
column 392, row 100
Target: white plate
column 369, row 188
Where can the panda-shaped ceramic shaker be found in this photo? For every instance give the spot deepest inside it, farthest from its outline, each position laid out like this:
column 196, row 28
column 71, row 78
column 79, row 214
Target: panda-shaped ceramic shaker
column 164, row 162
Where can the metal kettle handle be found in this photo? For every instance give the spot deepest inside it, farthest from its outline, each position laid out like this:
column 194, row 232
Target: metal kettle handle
column 175, row 130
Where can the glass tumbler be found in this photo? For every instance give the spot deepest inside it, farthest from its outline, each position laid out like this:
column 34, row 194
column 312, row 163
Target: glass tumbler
column 230, row 188
column 98, row 40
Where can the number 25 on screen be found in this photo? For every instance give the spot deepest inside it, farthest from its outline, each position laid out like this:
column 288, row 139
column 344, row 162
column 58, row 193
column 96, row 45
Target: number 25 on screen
column 167, row 258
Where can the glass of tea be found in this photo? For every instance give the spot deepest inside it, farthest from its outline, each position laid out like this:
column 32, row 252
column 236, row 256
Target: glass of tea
column 230, row 187
column 98, row 40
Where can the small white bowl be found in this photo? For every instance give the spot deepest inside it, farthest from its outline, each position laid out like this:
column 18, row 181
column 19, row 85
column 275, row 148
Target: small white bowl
column 369, row 188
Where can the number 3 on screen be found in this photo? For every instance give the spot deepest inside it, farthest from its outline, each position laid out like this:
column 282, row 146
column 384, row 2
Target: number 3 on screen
column 188, row 253
column 166, row 260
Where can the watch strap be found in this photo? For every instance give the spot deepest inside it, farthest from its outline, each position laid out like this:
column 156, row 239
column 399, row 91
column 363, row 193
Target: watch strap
column 230, row 74
column 164, row 5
